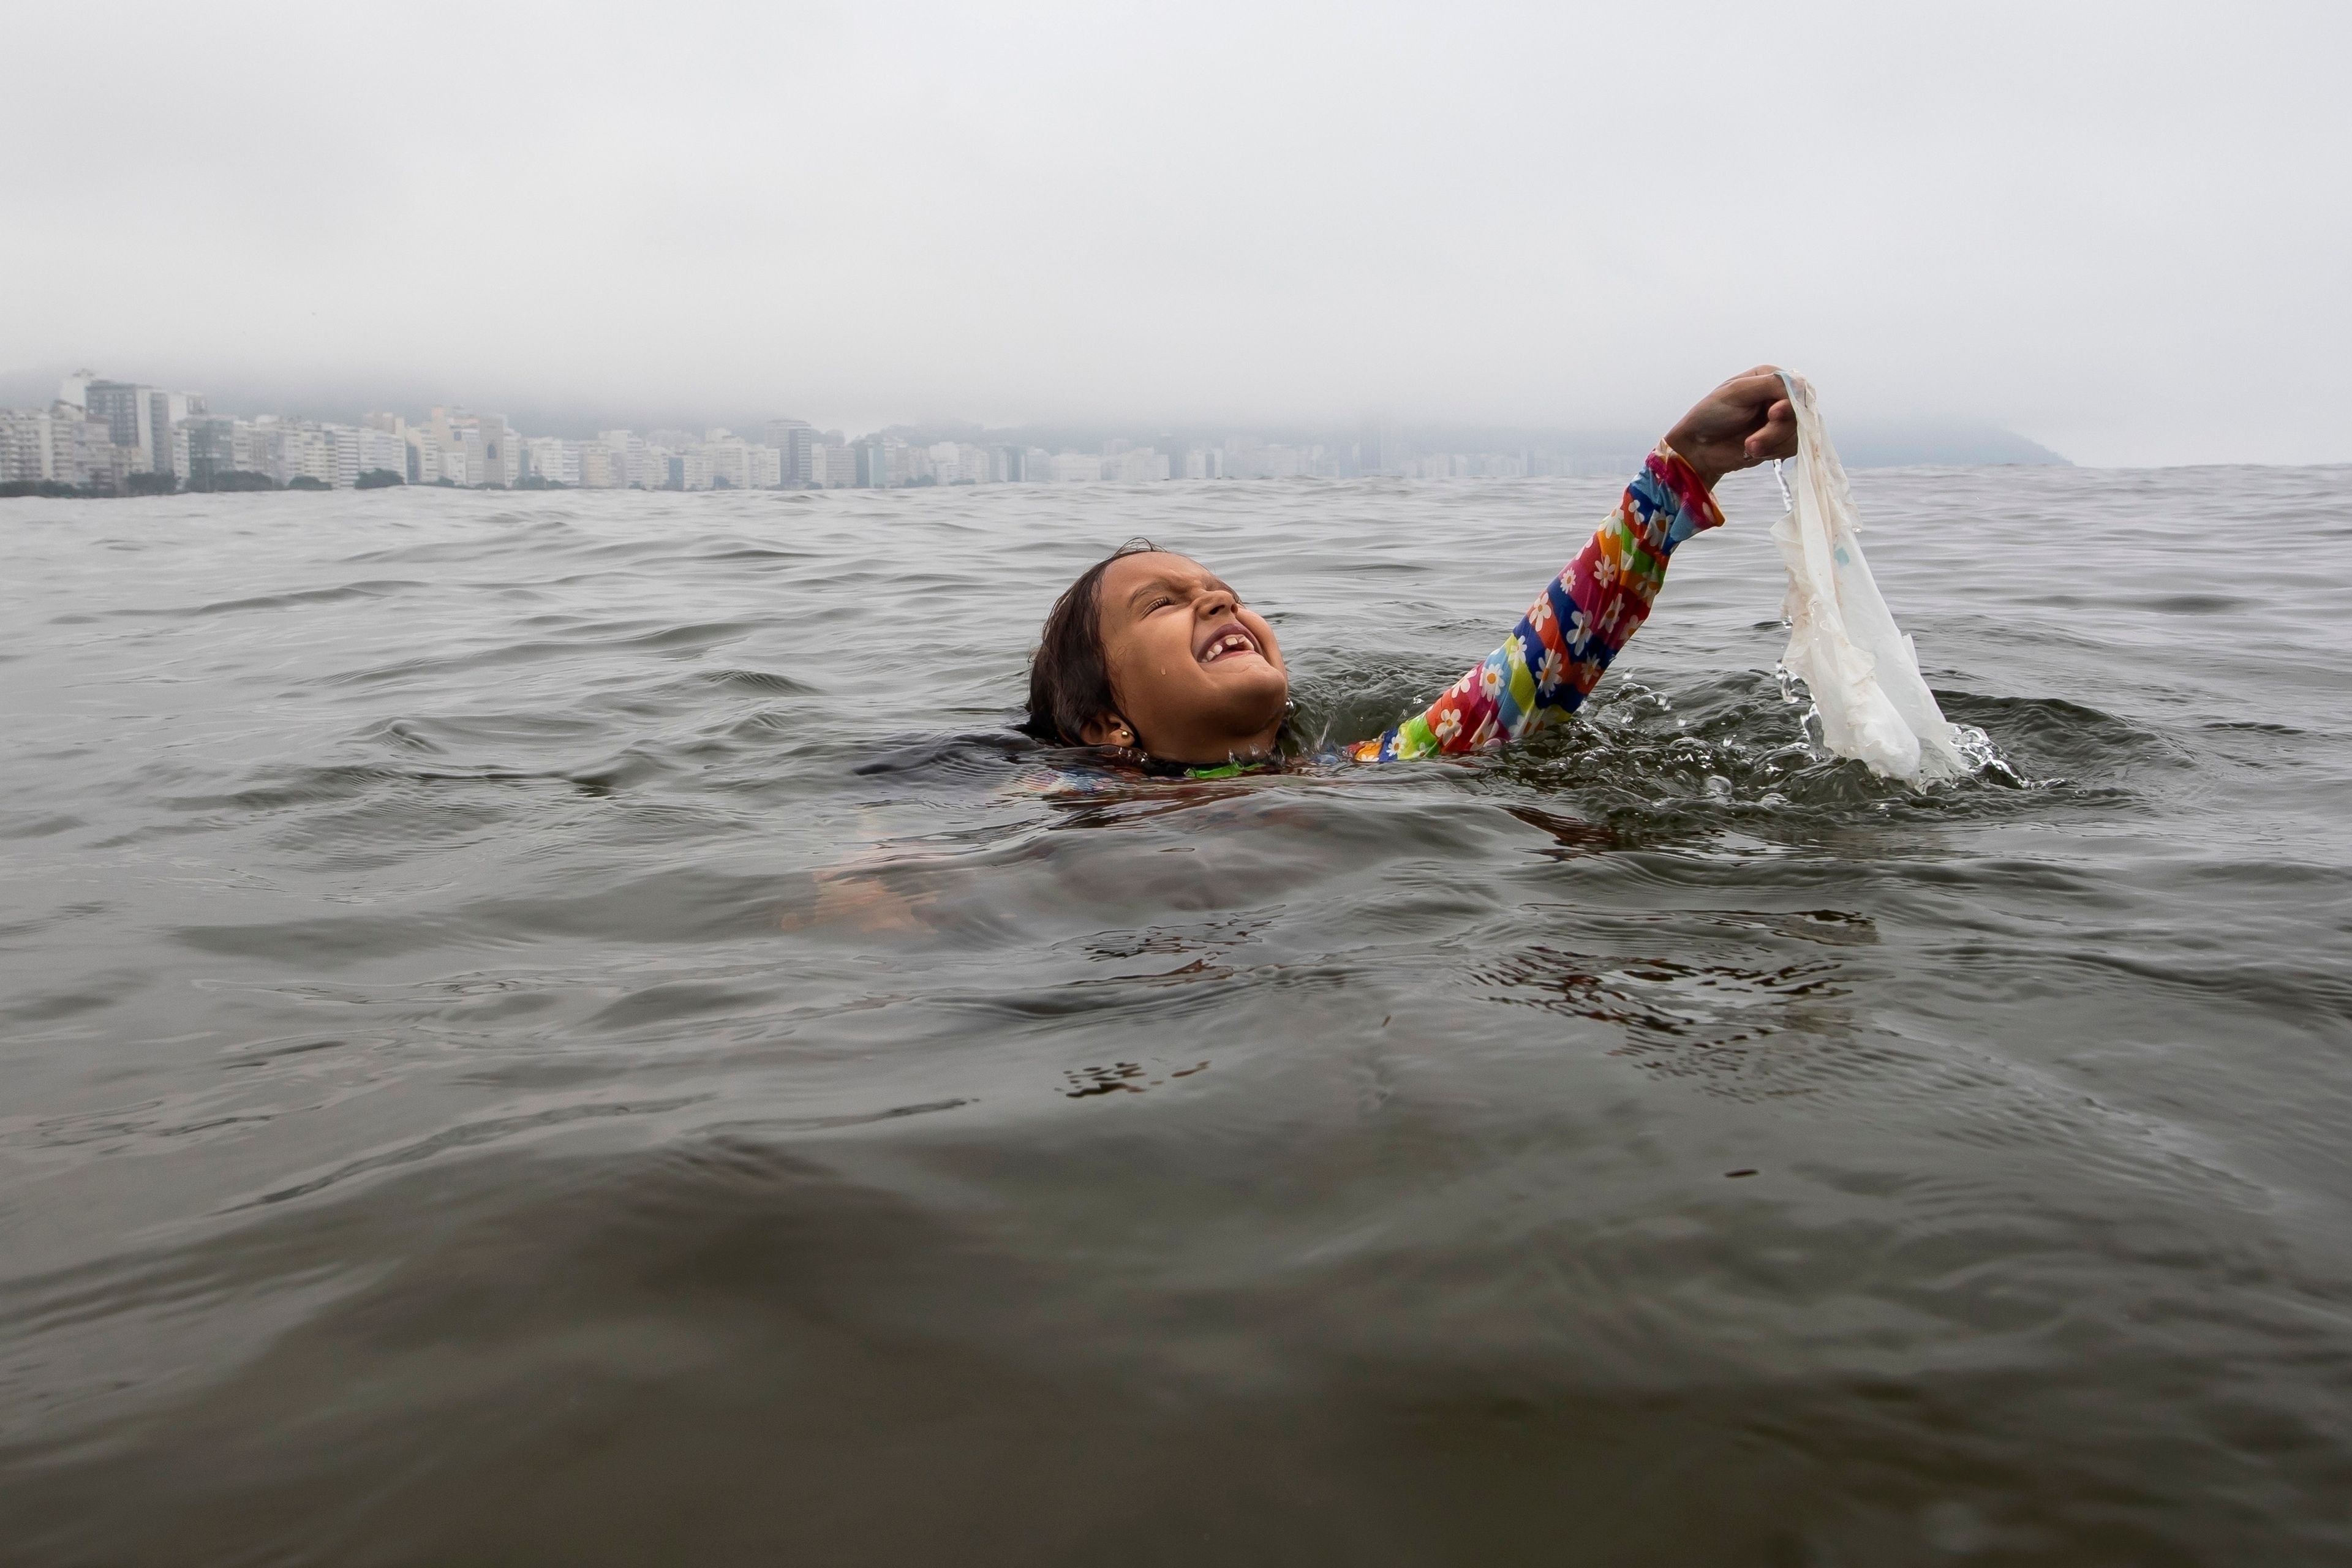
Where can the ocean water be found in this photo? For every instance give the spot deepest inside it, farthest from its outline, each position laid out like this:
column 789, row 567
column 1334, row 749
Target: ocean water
column 565, row 1028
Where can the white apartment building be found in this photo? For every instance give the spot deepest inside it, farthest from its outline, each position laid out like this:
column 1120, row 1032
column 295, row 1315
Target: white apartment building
column 37, row 445
column 1139, row 465
column 1465, row 466
column 476, row 448
column 960, row 463
column 728, row 456
column 1073, row 467
column 311, row 452
column 739, row 465
column 264, row 448
column 1204, row 463
column 280, row 449
column 1280, row 462
column 385, row 449
column 424, row 457
column 454, row 459
column 622, row 453
column 25, row 453
column 343, row 443
column 553, row 459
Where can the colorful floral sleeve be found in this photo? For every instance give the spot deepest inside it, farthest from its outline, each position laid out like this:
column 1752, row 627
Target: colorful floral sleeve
column 1554, row 657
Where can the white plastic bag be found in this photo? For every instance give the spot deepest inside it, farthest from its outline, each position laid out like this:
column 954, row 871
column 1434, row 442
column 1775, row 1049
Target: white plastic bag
column 1862, row 672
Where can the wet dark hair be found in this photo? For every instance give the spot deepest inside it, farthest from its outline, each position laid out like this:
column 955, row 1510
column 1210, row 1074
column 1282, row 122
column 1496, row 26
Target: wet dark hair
column 1069, row 675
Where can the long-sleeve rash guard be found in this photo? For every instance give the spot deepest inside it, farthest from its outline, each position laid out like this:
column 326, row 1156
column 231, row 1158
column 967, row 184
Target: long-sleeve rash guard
column 1555, row 656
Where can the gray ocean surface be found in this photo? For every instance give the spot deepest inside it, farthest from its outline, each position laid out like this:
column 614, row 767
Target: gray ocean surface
column 566, row 1028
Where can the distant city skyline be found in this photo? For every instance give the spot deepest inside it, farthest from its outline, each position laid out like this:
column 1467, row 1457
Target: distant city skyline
column 103, row 434
column 1875, row 441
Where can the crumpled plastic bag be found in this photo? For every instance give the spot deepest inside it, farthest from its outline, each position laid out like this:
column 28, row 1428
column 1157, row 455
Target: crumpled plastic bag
column 1862, row 672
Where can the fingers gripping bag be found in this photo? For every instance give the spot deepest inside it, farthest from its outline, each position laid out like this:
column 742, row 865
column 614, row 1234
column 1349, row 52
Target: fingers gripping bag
column 1862, row 672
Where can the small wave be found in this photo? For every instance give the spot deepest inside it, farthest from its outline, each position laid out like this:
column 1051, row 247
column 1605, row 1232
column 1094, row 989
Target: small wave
column 292, row 599
column 756, row 680
column 969, row 755
column 486, row 1133
column 2052, row 737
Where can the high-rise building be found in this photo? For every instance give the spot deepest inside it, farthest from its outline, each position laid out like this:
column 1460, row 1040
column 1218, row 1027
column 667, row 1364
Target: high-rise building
column 1136, row 465
column 56, row 444
column 26, row 454
column 1204, row 463
column 476, row 448
column 384, row 445
column 624, row 461
column 306, row 451
column 165, row 411
column 211, row 449
column 86, row 454
column 730, row 458
column 425, row 466
column 552, row 460
column 797, row 440
column 873, row 463
column 122, row 406
column 142, row 418
column 832, row 465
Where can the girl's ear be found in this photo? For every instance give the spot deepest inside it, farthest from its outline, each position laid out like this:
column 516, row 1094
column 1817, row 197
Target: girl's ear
column 1108, row 729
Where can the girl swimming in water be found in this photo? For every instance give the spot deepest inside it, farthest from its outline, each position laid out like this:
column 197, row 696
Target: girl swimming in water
column 1150, row 654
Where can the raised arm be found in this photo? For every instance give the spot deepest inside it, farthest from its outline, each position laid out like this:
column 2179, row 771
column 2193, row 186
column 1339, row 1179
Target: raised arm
column 1555, row 656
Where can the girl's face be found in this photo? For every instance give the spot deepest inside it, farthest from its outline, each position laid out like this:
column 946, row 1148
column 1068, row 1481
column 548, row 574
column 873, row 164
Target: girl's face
column 1199, row 679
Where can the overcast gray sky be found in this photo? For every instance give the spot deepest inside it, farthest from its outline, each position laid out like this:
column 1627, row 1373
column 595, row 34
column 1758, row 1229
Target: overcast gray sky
column 2125, row 231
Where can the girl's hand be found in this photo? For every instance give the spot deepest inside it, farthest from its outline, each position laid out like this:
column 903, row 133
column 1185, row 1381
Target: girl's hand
column 1744, row 422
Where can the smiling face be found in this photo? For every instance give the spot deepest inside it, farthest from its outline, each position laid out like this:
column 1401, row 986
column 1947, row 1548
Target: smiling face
column 1197, row 677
